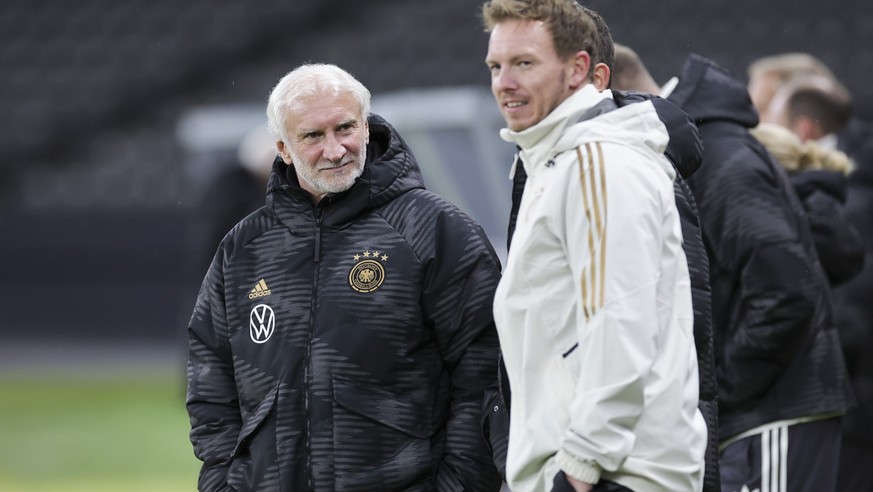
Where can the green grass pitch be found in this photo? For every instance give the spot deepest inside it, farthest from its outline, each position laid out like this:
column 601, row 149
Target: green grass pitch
column 109, row 433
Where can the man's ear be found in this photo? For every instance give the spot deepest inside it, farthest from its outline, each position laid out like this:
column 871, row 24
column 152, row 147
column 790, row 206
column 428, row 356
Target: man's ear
column 283, row 151
column 601, row 76
column 581, row 63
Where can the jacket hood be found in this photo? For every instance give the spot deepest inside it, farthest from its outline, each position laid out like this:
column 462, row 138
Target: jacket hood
column 833, row 183
column 685, row 148
column 571, row 124
column 390, row 171
column 707, row 92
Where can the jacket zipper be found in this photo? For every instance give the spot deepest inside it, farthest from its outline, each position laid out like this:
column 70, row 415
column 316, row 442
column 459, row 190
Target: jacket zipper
column 307, row 363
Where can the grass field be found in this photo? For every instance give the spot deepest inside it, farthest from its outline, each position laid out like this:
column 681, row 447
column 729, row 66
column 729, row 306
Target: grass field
column 125, row 432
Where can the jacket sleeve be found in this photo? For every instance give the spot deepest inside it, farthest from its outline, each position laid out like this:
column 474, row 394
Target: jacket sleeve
column 617, row 262
column 458, row 295
column 211, row 397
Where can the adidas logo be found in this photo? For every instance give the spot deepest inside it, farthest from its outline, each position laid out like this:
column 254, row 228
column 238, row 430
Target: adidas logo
column 260, row 290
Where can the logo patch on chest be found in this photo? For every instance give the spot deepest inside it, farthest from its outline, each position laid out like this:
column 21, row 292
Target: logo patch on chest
column 262, row 323
column 368, row 274
column 260, row 290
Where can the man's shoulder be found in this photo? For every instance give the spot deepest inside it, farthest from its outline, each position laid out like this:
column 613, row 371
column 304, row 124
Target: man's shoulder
column 421, row 216
column 246, row 230
column 421, row 204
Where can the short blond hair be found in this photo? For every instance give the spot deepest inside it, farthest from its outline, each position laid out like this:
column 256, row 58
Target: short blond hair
column 795, row 155
column 571, row 26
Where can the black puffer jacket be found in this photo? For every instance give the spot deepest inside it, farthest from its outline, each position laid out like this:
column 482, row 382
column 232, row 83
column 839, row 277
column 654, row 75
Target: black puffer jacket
column 839, row 248
column 685, row 151
column 346, row 345
column 777, row 350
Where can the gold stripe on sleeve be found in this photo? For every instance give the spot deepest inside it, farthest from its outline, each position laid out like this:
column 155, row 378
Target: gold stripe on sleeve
column 584, row 279
column 603, row 226
column 593, row 181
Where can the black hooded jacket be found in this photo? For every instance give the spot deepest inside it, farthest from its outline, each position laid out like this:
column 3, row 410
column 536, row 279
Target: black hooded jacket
column 778, row 355
column 346, row 345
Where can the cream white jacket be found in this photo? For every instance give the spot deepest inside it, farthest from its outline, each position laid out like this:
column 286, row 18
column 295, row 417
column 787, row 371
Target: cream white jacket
column 594, row 307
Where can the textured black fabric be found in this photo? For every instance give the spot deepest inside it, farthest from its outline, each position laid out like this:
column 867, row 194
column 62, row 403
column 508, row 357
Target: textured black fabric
column 777, row 349
column 498, row 399
column 368, row 389
column 839, row 247
column 685, row 150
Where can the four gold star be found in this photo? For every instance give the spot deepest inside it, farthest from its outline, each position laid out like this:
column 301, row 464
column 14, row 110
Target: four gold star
column 374, row 254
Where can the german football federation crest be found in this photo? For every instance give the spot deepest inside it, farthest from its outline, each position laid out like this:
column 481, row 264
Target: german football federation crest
column 368, row 274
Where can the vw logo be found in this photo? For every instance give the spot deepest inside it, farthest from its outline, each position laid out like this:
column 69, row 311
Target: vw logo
column 262, row 322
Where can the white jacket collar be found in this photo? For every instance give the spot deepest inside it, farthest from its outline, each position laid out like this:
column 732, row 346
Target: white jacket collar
column 635, row 125
column 537, row 141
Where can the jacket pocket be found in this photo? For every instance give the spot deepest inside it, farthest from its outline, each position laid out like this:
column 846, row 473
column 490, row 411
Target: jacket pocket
column 562, row 385
column 382, row 440
column 254, row 420
column 249, row 470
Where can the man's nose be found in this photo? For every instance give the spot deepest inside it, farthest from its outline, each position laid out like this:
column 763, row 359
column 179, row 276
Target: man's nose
column 502, row 81
column 333, row 148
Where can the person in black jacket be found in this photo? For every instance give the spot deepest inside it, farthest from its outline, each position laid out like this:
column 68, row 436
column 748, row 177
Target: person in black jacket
column 782, row 380
column 343, row 335
column 818, row 176
column 811, row 114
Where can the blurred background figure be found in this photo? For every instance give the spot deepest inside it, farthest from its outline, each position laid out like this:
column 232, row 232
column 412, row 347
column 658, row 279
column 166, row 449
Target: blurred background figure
column 771, row 305
column 800, row 92
column 233, row 191
column 814, row 107
column 767, row 75
column 818, row 176
column 813, row 104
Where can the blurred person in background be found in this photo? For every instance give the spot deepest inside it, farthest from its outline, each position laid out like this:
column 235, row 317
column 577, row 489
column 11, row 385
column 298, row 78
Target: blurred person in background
column 343, row 336
column 781, row 377
column 819, row 178
column 606, row 398
column 770, row 74
column 811, row 107
column 767, row 75
column 813, row 110
column 234, row 192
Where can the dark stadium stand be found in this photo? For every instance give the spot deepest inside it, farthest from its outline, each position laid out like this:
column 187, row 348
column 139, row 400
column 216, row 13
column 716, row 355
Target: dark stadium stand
column 91, row 94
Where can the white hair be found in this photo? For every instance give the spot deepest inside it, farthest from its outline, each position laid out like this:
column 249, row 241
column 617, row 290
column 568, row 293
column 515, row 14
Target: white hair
column 309, row 80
